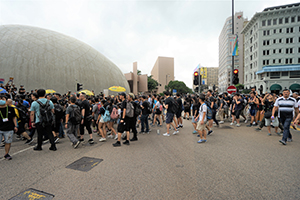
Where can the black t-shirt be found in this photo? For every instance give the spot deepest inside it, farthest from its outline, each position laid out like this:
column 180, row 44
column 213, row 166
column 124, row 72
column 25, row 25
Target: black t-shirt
column 195, row 108
column 8, row 125
column 221, row 101
column 145, row 104
column 240, row 105
column 210, row 100
column 228, row 101
column 168, row 102
column 85, row 105
column 22, row 91
column 179, row 102
column 123, row 106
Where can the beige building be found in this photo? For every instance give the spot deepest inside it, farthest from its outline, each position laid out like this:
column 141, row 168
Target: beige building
column 163, row 72
column 212, row 76
column 137, row 83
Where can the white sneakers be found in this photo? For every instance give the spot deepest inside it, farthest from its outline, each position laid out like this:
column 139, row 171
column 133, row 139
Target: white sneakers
column 175, row 132
column 231, row 124
column 110, row 136
column 238, row 125
column 102, row 140
column 166, row 134
column 221, row 122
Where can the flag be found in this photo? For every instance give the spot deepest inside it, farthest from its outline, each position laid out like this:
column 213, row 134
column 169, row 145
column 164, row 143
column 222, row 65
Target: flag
column 236, row 47
column 2, row 80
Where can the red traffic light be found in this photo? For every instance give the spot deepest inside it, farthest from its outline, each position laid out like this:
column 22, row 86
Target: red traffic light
column 236, row 71
column 195, row 73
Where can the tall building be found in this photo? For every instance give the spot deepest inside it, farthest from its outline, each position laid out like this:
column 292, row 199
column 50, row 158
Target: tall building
column 272, row 47
column 209, row 76
column 137, row 83
column 226, row 43
column 163, row 72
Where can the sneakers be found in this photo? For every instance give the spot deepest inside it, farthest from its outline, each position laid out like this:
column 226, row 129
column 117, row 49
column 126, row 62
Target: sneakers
column 37, row 149
column 246, row 121
column 56, row 139
column 133, row 139
column 166, row 134
column 249, row 125
column 210, row 132
column 7, row 157
column 102, row 140
column 53, row 148
column 290, row 140
column 258, row 129
column 195, row 132
column 175, row 132
column 231, row 124
column 237, row 125
column 201, row 141
column 117, row 144
column 278, row 134
column 29, row 141
column 126, row 142
column 76, row 144
column 110, row 136
column 221, row 122
column 116, row 137
column 282, row 142
column 91, row 141
column 269, row 134
column 81, row 140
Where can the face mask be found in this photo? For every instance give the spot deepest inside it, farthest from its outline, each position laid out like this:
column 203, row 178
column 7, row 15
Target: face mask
column 2, row 102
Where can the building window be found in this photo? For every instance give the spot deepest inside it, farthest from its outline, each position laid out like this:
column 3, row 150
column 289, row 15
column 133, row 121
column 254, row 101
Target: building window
column 280, row 30
column 299, row 39
column 274, row 21
column 263, row 23
column 267, row 74
column 274, row 51
column 291, row 50
column 298, row 60
column 287, row 40
column 274, row 75
column 269, row 22
column 299, row 18
column 286, row 61
column 274, row 41
column 291, row 40
column 274, row 31
column 251, row 66
column 264, row 62
column 287, row 30
column 295, row 74
column 291, row 60
column 279, row 50
column 286, row 20
column 264, row 52
column 280, row 40
column 298, row 49
column 292, row 29
column 279, row 60
column 293, row 19
column 284, row 73
column 280, row 20
column 274, row 61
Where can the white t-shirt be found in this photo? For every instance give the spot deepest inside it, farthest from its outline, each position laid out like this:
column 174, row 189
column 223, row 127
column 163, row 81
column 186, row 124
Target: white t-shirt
column 202, row 109
column 299, row 105
column 157, row 105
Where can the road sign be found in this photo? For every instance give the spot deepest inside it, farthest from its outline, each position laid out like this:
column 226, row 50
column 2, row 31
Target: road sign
column 231, row 89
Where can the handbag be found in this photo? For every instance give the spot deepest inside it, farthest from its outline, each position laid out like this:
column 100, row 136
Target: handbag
column 268, row 114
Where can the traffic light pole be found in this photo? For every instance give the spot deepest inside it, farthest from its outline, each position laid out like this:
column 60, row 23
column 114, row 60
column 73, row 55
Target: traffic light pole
column 232, row 67
column 199, row 81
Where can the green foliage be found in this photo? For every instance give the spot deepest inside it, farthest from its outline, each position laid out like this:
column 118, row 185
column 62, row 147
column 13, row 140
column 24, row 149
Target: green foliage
column 179, row 86
column 139, row 72
column 152, row 84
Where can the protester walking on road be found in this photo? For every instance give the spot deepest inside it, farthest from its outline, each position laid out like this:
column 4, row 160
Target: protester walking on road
column 169, row 105
column 86, row 118
column 201, row 118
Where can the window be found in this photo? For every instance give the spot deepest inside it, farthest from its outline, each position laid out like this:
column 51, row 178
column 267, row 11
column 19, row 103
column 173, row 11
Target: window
column 274, row 21
column 279, row 60
column 274, row 61
column 299, row 39
column 287, row 30
column 280, row 40
column 280, row 20
column 267, row 74
column 286, row 51
column 299, row 18
column 286, row 61
column 291, row 40
column 269, row 22
column 279, row 50
column 298, row 60
column 286, row 20
column 274, row 51
column 291, row 50
column 264, row 52
column 264, row 62
column 293, row 19
column 291, row 60
column 292, row 29
column 274, row 31
column 264, row 33
column 263, row 23
column 274, row 41
column 274, row 75
column 295, row 74
column 284, row 73
column 280, row 30
column 251, row 66
column 299, row 50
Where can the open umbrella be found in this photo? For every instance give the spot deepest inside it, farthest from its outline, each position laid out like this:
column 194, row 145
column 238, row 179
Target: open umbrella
column 49, row 91
column 87, row 92
column 2, row 90
column 117, row 89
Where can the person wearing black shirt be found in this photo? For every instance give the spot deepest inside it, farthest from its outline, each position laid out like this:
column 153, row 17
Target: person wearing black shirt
column 145, row 114
column 253, row 102
column 228, row 101
column 212, row 104
column 195, row 110
column 237, row 109
column 222, row 105
column 170, row 115
column 22, row 89
column 8, row 125
column 132, row 120
column 178, row 114
column 86, row 120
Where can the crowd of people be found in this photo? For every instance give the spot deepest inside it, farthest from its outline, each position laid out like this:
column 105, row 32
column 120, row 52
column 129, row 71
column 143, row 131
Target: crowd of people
column 54, row 116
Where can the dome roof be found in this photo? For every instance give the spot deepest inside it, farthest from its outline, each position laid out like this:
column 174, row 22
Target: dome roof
column 40, row 58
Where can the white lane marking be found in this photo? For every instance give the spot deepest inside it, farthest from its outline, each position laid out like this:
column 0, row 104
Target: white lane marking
column 17, row 152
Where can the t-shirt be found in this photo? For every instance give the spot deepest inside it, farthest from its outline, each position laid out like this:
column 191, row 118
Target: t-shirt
column 210, row 100
column 123, row 106
column 158, row 105
column 36, row 108
column 86, row 106
column 195, row 108
column 70, row 109
column 221, row 101
column 95, row 110
column 227, row 99
column 145, row 104
column 22, row 91
column 179, row 102
column 202, row 110
column 9, row 113
column 286, row 107
column 168, row 102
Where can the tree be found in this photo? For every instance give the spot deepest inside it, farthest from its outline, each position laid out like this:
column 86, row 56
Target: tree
column 152, row 84
column 179, row 86
column 139, row 72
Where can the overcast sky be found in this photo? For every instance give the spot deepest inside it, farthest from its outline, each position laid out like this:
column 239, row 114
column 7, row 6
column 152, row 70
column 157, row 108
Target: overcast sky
column 138, row 31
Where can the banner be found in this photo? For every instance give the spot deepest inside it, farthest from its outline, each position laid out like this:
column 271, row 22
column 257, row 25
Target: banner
column 2, row 80
column 203, row 72
column 235, row 51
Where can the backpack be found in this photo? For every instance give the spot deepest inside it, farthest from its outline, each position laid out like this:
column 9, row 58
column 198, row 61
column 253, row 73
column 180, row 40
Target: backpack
column 46, row 115
column 22, row 114
column 175, row 106
column 75, row 115
column 149, row 111
column 114, row 113
column 106, row 115
column 160, row 107
column 59, row 112
column 209, row 112
column 129, row 109
column 137, row 109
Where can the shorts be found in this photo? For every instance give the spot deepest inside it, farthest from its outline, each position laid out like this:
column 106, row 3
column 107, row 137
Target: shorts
column 158, row 112
column 113, row 120
column 201, row 127
column 193, row 120
column 8, row 135
column 178, row 114
column 275, row 122
column 122, row 127
column 252, row 112
column 101, row 120
column 237, row 114
column 169, row 118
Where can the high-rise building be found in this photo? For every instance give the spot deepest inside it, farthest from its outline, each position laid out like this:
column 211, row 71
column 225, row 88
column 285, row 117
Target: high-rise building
column 272, row 47
column 163, row 72
column 226, row 43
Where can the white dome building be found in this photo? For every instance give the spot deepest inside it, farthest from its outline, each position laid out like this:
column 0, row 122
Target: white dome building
column 40, row 58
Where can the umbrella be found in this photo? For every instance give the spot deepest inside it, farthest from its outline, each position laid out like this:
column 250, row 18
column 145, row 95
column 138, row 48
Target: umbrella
column 2, row 90
column 87, row 92
column 49, row 91
column 117, row 89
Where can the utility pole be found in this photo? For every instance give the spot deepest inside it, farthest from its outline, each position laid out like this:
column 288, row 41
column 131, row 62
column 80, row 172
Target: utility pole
column 232, row 67
column 199, row 81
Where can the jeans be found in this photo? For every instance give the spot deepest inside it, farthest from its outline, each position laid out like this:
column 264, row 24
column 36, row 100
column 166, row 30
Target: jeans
column 61, row 131
column 72, row 132
column 144, row 119
column 47, row 131
column 286, row 122
column 214, row 112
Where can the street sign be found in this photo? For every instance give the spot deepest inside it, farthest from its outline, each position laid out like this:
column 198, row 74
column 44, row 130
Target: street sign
column 231, row 89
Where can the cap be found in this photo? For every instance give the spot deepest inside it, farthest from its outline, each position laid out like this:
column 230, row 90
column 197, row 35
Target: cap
column 131, row 95
column 122, row 94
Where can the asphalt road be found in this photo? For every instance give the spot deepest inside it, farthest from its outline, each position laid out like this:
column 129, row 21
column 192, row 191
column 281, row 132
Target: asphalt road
column 235, row 163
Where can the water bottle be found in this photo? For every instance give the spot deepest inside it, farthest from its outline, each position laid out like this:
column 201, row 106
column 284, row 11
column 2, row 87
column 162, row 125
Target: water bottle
column 158, row 132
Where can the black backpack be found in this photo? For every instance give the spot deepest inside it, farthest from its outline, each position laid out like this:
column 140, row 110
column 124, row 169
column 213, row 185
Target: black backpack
column 22, row 114
column 46, row 115
column 149, row 110
column 175, row 106
column 75, row 115
column 137, row 108
column 59, row 112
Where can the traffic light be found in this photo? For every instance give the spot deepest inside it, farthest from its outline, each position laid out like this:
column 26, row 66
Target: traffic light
column 235, row 77
column 196, row 78
column 79, row 87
